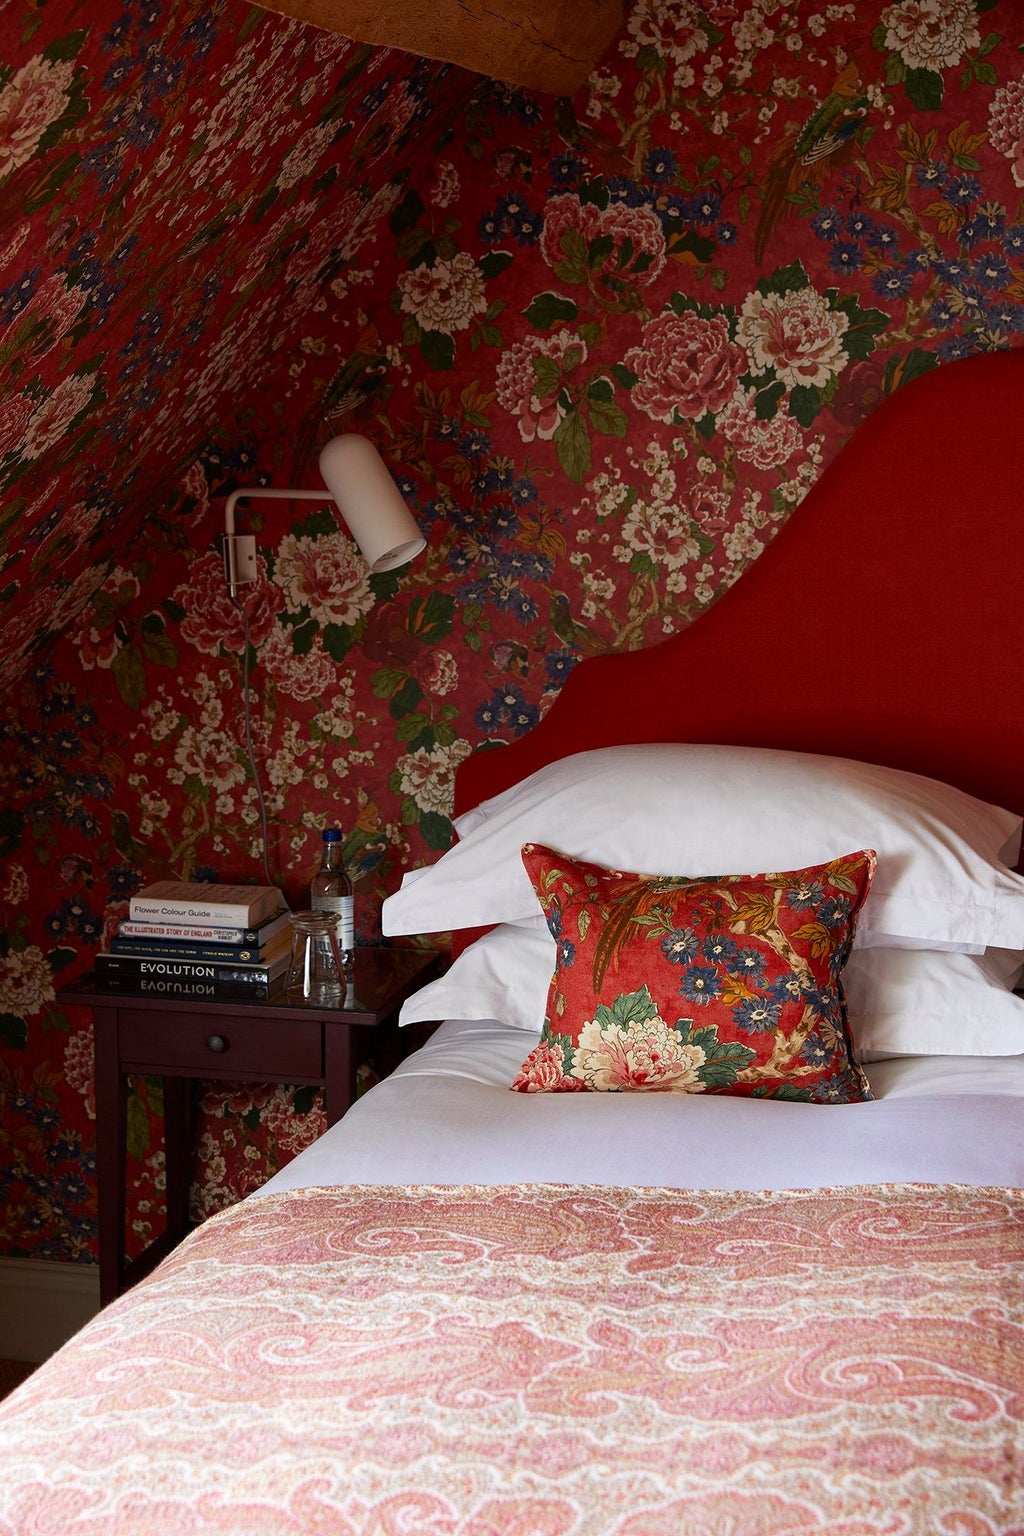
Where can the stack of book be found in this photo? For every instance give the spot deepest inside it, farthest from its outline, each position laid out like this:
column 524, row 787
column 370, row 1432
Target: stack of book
column 190, row 939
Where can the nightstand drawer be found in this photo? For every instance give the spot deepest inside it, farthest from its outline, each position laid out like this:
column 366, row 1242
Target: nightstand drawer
column 287, row 1050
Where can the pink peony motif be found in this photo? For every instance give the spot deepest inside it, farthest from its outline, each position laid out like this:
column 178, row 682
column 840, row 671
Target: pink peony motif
column 15, row 414
column 79, row 1065
column 765, row 444
column 636, row 233
column 543, row 1072
column 51, row 419
column 31, row 100
column 1006, row 126
column 327, row 575
column 519, row 386
column 675, row 29
column 445, row 297
column 931, row 34
column 212, row 620
column 686, row 364
column 797, row 335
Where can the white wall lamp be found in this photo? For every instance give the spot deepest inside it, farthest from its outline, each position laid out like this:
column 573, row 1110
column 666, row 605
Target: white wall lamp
column 360, row 484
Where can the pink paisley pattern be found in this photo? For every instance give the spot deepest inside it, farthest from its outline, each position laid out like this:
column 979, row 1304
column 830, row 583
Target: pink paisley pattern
column 547, row 1361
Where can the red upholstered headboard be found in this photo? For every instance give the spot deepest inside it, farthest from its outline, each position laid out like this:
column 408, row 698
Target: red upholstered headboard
column 884, row 623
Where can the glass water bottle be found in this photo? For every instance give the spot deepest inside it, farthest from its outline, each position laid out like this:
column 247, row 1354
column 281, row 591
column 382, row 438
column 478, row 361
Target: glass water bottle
column 331, row 891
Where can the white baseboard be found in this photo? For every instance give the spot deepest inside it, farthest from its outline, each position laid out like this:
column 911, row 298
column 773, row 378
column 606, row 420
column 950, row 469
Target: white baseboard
column 42, row 1303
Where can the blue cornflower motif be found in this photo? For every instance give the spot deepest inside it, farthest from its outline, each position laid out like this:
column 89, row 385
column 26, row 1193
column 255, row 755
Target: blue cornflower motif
column 894, row 284
column 941, row 315
column 14, row 299
column 749, row 963
column 475, row 443
column 503, row 521
column 726, row 233
column 828, row 224
column 565, row 171
column 1013, row 240
column 964, row 189
column 845, row 257
column 932, row 174
column 720, row 949
column 815, row 1052
column 558, row 665
column 104, row 161
column 566, row 952
column 72, row 1188
column 1004, row 316
column 755, row 1015
column 511, row 219
column 680, row 945
column 786, row 989
column 952, row 270
column 523, row 492
column 955, row 347
column 201, row 34
column 835, row 911
column 699, row 984
column 660, row 165
column 143, row 128
column 123, row 880
column 705, row 207
column 884, row 239
column 554, row 922
column 507, row 708
column 622, row 190
column 992, row 271
column 804, row 896
column 48, row 1118
column 860, row 227
column 988, row 223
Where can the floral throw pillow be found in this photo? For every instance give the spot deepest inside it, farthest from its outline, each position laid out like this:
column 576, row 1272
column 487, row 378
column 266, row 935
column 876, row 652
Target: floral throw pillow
column 726, row 984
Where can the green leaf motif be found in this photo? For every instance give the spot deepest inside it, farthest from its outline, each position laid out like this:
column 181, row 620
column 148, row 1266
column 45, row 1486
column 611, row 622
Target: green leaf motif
column 608, row 418
column 925, row 89
column 430, row 618
column 547, row 310
column 572, row 444
column 13, row 1031
column 129, row 676
column 436, row 830
column 438, row 349
column 628, row 1008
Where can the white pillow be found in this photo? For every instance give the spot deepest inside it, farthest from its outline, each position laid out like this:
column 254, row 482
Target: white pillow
column 504, row 975
column 901, row 1002
column 905, row 1002
column 942, row 876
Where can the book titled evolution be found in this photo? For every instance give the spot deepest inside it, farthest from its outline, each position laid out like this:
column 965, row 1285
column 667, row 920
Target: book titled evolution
column 153, row 973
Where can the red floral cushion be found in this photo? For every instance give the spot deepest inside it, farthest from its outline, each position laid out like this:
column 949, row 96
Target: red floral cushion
column 729, row 984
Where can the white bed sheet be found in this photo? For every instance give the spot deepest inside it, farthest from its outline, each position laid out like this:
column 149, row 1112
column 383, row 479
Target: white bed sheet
column 447, row 1116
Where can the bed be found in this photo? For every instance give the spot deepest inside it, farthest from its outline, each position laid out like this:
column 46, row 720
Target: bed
column 702, row 1211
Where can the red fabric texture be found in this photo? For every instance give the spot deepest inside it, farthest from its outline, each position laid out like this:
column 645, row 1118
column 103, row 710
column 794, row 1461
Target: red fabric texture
column 729, row 984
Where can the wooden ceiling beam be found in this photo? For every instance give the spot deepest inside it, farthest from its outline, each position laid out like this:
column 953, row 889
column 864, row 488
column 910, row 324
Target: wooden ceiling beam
column 543, row 45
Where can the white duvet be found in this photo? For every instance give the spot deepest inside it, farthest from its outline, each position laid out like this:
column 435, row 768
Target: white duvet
column 447, row 1116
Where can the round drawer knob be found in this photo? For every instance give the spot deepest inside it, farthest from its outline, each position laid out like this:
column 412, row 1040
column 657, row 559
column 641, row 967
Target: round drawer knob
column 216, row 1043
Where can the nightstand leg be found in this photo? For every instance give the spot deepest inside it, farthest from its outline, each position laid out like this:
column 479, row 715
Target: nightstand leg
column 111, row 1135
column 178, row 1153
column 339, row 1071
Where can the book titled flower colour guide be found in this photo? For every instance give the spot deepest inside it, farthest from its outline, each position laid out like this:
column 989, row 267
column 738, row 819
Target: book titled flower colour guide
column 197, row 901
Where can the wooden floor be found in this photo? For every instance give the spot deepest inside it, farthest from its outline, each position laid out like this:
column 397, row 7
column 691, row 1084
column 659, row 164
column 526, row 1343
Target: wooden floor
column 12, row 1374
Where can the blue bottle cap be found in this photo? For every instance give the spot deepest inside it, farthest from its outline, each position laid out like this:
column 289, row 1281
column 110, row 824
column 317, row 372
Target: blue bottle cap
column 332, row 835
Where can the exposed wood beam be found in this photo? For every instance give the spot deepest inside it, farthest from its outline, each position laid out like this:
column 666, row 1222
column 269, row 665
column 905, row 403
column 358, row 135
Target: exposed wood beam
column 544, row 45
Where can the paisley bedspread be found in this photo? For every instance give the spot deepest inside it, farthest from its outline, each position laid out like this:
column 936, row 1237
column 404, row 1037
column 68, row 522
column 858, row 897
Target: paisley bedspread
column 547, row 1361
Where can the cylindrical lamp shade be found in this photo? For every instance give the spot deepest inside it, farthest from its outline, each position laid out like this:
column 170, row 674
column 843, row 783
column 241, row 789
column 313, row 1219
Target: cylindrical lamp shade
column 370, row 502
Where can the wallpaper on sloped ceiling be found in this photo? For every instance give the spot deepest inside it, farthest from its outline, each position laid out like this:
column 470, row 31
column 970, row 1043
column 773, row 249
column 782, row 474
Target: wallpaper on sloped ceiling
column 605, row 345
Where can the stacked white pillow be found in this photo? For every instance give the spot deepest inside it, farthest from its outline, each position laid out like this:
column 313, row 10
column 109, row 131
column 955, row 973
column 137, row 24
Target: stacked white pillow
column 940, row 941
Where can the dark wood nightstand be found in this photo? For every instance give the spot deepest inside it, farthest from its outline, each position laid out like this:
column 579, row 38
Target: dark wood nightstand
column 265, row 1039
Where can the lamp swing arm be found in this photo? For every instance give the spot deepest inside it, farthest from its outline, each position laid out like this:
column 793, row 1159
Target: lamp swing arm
column 240, row 548
column 359, row 483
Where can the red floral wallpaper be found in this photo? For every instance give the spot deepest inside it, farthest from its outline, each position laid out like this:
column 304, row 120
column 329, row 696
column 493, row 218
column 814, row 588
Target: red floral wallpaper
column 606, row 345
